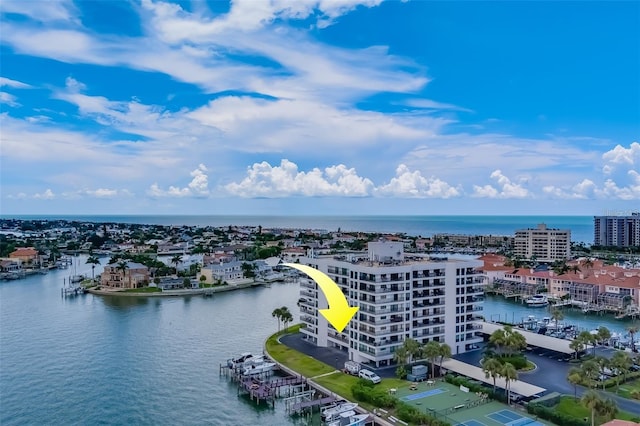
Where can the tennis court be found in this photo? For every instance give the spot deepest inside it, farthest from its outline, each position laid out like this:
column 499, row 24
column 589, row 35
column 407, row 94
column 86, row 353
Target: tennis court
column 424, row 394
column 510, row 418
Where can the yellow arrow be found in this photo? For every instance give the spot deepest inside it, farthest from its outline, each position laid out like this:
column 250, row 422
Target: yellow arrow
column 339, row 313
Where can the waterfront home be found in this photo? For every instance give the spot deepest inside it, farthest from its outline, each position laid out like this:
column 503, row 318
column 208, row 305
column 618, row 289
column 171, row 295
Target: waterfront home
column 10, row 265
column 26, row 255
column 173, row 283
column 223, row 271
column 134, row 275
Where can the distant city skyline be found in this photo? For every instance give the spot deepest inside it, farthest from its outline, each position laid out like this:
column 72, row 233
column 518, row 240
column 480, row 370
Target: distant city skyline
column 352, row 107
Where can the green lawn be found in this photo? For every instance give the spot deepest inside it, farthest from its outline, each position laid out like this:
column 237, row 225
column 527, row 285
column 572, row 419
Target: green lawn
column 627, row 388
column 299, row 362
column 570, row 407
column 339, row 383
column 143, row 290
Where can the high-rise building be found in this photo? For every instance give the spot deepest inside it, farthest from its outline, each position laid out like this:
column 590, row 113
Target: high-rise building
column 399, row 297
column 619, row 231
column 542, row 243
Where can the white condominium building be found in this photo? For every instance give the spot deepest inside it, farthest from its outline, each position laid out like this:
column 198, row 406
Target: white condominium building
column 619, row 231
column 542, row 243
column 399, row 297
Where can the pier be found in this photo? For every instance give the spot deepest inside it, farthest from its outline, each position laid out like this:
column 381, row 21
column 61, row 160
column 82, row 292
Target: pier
column 264, row 387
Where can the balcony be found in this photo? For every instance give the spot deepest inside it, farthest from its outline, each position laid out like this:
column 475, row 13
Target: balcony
column 308, row 284
column 307, row 293
column 309, row 319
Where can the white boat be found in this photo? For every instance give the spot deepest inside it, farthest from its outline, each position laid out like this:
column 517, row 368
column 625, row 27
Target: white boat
column 240, row 360
column 349, row 418
column 257, row 365
column 332, row 412
column 538, row 300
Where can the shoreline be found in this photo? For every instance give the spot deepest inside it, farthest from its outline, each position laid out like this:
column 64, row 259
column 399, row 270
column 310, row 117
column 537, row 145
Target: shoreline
column 178, row 293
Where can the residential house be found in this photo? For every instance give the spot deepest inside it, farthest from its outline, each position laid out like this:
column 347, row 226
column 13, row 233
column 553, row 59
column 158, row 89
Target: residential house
column 135, row 275
column 223, row 271
column 26, row 255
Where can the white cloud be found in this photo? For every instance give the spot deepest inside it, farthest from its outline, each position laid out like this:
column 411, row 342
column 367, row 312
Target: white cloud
column 630, row 192
column 198, row 187
column 431, row 104
column 43, row 11
column 264, row 180
column 13, row 83
column 9, row 99
column 621, row 157
column 413, row 184
column 506, row 188
column 46, row 195
column 583, row 190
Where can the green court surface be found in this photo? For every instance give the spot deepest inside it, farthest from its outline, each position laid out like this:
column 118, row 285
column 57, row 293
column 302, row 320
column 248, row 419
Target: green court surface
column 449, row 403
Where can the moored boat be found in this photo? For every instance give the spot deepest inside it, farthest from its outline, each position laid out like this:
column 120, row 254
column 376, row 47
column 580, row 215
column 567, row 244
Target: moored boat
column 332, row 412
column 538, row 300
column 349, row 418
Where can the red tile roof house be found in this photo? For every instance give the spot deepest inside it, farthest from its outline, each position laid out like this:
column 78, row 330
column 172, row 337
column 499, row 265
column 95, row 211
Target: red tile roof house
column 26, row 255
column 611, row 287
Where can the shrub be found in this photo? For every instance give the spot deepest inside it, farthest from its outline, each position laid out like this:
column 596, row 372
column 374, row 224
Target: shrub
column 553, row 416
column 410, row 414
column 364, row 391
column 518, row 361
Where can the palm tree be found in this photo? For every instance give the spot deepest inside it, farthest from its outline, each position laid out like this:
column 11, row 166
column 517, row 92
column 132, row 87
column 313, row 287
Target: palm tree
column 603, row 334
column 413, row 348
column 444, row 353
column 576, row 345
column 607, row 408
column 491, row 368
column 590, row 371
column 622, row 362
column 400, row 355
column 509, row 373
column 575, row 377
column 632, row 329
column 286, row 318
column 431, row 351
column 557, row 315
column 587, row 263
column 175, row 260
column 591, row 400
column 93, row 260
column 498, row 339
column 123, row 266
column 514, row 341
column 277, row 314
column 603, row 364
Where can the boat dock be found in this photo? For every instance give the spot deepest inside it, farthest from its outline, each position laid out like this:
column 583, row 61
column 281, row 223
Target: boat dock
column 264, row 387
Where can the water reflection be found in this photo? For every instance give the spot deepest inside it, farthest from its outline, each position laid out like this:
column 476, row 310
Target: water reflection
column 124, row 303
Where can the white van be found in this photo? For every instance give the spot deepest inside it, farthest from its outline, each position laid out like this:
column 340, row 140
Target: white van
column 369, row 375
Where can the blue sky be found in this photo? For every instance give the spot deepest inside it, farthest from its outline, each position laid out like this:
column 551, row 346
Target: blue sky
column 319, row 107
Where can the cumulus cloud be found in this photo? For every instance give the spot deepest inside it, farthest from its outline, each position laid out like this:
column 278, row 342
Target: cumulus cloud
column 621, row 157
column 198, row 187
column 506, row 188
column 264, row 180
column 629, row 192
column 46, row 195
column 412, row 184
column 583, row 190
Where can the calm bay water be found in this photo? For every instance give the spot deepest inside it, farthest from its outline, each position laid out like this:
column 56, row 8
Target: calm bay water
column 108, row 360
column 581, row 226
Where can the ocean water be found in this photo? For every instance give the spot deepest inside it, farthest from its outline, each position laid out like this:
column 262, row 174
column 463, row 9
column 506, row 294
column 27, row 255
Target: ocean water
column 581, row 226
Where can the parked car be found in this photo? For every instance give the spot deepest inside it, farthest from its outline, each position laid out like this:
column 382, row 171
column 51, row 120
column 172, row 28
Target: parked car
column 369, row 375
